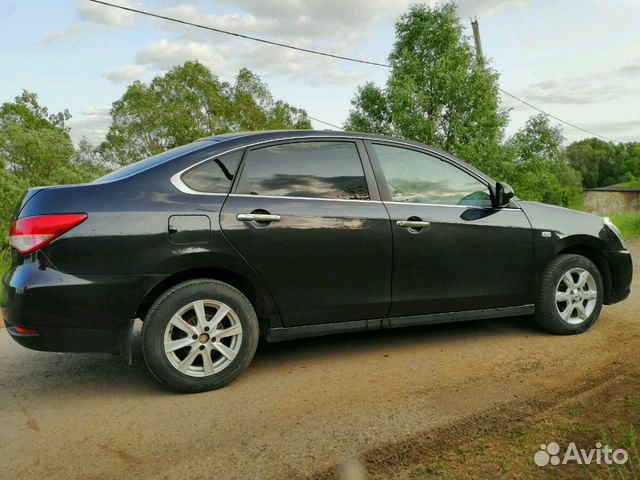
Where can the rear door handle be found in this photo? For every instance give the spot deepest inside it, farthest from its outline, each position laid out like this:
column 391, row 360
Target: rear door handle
column 257, row 217
column 413, row 224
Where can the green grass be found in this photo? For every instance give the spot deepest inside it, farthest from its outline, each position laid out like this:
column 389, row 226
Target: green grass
column 628, row 223
column 577, row 202
column 631, row 184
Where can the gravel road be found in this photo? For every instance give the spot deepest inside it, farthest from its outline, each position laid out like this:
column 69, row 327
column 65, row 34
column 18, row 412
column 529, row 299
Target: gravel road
column 301, row 408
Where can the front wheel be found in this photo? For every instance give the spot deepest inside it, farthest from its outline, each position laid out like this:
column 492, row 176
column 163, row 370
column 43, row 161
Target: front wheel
column 199, row 335
column 570, row 296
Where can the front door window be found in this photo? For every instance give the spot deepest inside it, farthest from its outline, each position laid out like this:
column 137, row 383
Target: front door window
column 415, row 177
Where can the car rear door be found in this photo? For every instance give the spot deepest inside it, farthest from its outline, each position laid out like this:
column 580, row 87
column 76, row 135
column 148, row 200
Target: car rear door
column 452, row 250
column 307, row 216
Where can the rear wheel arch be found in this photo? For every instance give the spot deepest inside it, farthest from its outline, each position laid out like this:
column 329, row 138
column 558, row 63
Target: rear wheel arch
column 257, row 296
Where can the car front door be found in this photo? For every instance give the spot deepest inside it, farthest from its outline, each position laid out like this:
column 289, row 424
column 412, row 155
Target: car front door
column 452, row 250
column 308, row 217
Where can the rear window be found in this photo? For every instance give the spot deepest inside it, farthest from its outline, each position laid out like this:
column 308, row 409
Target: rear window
column 152, row 161
column 306, row 169
column 215, row 175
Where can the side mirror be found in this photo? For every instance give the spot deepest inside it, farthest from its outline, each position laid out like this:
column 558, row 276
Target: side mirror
column 503, row 193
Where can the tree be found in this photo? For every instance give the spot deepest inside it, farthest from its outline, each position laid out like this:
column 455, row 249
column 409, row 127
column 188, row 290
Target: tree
column 34, row 144
column 188, row 103
column 88, row 162
column 438, row 92
column 591, row 157
column 539, row 171
column 35, row 149
column 602, row 163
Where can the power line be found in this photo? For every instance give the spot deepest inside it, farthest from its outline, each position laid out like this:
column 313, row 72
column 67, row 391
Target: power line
column 324, row 54
column 240, row 35
column 326, row 123
column 554, row 117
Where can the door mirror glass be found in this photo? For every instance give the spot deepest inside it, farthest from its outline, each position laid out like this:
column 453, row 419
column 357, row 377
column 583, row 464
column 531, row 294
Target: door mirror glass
column 503, row 195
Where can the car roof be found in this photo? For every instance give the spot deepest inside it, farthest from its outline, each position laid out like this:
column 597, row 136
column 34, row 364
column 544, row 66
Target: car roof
column 246, row 138
column 266, row 135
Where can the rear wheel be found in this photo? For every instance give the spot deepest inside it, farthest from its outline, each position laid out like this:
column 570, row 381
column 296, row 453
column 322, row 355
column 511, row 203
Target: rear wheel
column 570, row 296
column 199, row 335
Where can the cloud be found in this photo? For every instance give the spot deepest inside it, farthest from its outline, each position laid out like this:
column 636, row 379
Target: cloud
column 126, row 74
column 487, row 8
column 334, row 26
column 632, row 70
column 54, row 37
column 615, row 127
column 165, row 54
column 578, row 91
column 333, row 18
column 92, row 122
column 105, row 15
column 588, row 89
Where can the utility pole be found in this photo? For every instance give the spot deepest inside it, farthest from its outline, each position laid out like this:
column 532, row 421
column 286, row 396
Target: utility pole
column 476, row 37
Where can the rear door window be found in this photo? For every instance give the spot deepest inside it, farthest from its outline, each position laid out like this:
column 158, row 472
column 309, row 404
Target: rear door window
column 318, row 169
column 214, row 175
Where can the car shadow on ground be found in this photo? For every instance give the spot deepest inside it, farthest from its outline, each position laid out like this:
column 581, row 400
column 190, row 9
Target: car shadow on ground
column 360, row 342
column 106, row 373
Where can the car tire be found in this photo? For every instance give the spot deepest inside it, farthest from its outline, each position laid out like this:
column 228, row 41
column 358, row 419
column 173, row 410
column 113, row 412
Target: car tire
column 570, row 295
column 199, row 335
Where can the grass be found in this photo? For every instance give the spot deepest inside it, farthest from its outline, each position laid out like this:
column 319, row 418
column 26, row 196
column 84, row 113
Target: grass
column 608, row 414
column 628, row 223
column 631, row 184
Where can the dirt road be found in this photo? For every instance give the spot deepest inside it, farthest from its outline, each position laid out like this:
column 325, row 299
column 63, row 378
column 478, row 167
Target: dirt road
column 302, row 406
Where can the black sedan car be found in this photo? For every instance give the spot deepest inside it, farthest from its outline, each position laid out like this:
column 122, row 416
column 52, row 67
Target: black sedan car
column 292, row 234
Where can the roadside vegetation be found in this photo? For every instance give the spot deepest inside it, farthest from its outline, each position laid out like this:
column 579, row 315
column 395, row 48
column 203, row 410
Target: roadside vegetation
column 628, row 223
column 609, row 415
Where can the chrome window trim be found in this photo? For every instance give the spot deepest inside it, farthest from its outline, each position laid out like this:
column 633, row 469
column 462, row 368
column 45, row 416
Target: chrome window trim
column 284, row 197
column 177, row 182
column 454, row 206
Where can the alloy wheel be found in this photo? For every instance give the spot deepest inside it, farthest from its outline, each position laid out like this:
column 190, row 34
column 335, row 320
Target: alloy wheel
column 203, row 338
column 576, row 295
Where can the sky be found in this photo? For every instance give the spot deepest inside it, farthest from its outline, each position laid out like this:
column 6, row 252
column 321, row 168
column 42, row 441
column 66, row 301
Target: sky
column 576, row 59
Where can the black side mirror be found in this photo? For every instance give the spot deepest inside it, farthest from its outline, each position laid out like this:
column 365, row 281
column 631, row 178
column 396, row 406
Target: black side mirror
column 502, row 195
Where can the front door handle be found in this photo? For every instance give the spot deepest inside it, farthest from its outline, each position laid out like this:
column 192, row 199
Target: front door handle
column 257, row 217
column 413, row 224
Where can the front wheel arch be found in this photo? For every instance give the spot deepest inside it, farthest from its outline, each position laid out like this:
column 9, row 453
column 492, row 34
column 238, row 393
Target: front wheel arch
column 598, row 259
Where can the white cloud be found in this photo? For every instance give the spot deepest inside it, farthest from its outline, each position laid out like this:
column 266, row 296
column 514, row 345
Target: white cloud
column 487, row 8
column 334, row 26
column 92, row 122
column 165, row 54
column 53, row 37
column 319, row 19
column 582, row 91
column 126, row 74
column 615, row 127
column 105, row 15
column 594, row 87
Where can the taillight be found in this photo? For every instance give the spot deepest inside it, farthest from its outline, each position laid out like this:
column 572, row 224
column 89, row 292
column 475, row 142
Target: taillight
column 25, row 331
column 31, row 233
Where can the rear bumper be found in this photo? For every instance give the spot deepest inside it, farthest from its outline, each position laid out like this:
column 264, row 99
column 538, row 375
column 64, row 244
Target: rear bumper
column 72, row 339
column 89, row 313
column 621, row 267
